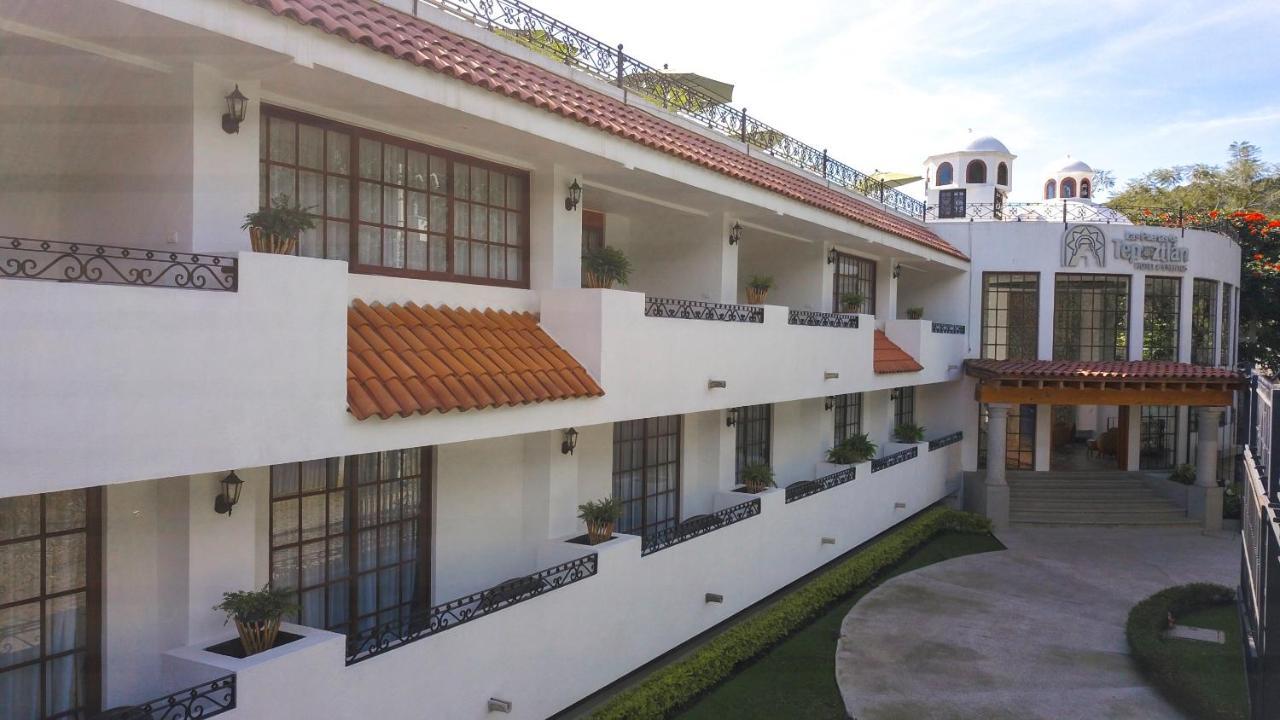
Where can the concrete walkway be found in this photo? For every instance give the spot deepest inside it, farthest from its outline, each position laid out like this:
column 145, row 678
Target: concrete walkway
column 1035, row 631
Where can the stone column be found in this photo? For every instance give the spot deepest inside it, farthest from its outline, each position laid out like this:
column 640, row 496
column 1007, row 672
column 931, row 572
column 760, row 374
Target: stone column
column 1205, row 497
column 996, row 502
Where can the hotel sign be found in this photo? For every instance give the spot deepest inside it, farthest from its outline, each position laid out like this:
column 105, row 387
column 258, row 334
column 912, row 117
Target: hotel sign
column 1151, row 251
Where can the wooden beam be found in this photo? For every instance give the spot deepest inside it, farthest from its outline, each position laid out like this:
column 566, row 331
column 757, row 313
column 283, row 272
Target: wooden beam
column 1102, row 396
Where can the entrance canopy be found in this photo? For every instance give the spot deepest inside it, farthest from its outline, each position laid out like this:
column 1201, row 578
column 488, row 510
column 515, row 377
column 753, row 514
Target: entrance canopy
column 1083, row 382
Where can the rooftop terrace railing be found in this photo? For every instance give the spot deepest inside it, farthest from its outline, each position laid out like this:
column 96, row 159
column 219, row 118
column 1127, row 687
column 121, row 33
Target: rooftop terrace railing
column 29, row 259
column 544, row 34
column 1070, row 211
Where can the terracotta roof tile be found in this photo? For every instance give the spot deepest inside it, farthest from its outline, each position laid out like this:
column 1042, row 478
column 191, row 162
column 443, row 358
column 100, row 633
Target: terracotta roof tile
column 414, row 40
column 406, row 359
column 1100, row 370
column 889, row 358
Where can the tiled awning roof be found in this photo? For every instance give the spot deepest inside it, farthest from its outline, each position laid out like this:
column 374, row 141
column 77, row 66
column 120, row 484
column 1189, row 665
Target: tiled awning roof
column 1083, row 382
column 1137, row 370
column 889, row 358
column 414, row 40
column 406, row 359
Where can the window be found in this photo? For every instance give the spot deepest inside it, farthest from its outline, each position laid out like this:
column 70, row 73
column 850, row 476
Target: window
column 351, row 536
column 975, row 172
column 1225, row 347
column 848, row 416
column 592, row 234
column 1019, row 438
column 1085, row 188
column 1091, row 317
column 1068, row 188
column 1010, row 316
column 1002, row 174
column 1159, row 433
column 904, row 406
column 1050, row 190
column 945, row 174
column 754, row 436
column 50, row 605
column 1204, row 300
column 854, row 274
column 951, row 204
column 1160, row 318
column 395, row 207
column 646, row 474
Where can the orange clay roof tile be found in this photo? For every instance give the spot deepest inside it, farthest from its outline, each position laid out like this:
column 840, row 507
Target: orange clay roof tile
column 889, row 358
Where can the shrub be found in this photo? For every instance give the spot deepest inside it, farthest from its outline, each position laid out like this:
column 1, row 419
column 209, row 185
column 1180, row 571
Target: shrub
column 282, row 218
column 1232, row 503
column 607, row 265
column 677, row 684
column 255, row 606
column 1185, row 474
column 757, row 476
column 909, row 433
column 607, row 510
column 915, row 313
column 853, row 449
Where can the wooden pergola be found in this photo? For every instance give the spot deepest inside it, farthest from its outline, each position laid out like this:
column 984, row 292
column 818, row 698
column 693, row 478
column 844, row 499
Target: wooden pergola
column 1082, row 382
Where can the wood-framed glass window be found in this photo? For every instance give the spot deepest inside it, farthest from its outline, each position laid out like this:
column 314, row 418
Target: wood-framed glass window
column 1204, row 316
column 952, row 204
column 50, row 605
column 1225, row 345
column 351, row 536
column 391, row 206
column 1091, row 317
column 1161, row 314
column 848, row 416
column 1019, row 438
column 646, row 474
column 1159, row 437
column 754, row 437
column 854, row 274
column 904, row 406
column 1010, row 316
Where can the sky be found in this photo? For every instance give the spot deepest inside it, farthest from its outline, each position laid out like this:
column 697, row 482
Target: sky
column 1127, row 86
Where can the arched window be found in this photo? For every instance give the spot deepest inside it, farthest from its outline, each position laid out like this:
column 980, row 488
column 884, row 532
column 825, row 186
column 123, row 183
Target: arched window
column 1068, row 188
column 1085, row 189
column 944, row 174
column 1050, row 190
column 975, row 172
column 1002, row 174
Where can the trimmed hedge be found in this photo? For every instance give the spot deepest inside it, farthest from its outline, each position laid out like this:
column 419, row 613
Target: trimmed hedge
column 676, row 685
column 1159, row 661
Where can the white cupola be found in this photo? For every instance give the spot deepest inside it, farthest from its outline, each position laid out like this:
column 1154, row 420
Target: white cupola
column 971, row 182
column 1068, row 179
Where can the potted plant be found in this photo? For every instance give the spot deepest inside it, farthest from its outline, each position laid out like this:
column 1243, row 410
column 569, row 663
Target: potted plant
column 915, row 313
column 257, row 615
column 854, row 449
column 275, row 228
column 604, row 266
column 909, row 433
column 758, row 289
column 852, row 302
column 600, row 517
column 757, row 477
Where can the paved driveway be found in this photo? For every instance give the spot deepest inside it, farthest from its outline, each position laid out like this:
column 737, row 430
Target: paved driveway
column 1035, row 631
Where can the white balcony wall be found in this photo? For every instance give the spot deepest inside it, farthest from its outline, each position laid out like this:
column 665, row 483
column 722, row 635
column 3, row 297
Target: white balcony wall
column 797, row 268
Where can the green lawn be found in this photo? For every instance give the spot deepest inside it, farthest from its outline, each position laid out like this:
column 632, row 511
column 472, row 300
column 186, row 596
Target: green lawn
column 1215, row 671
column 797, row 679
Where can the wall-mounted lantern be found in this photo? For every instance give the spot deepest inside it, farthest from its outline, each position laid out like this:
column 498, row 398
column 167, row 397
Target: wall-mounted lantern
column 829, row 403
column 237, row 109
column 230, row 495
column 831, row 256
column 731, row 417
column 574, row 197
column 897, row 270
column 735, row 233
column 570, row 442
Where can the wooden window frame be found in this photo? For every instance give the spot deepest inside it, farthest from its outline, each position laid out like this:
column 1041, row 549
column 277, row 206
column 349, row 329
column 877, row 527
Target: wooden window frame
column 752, row 429
column 649, row 525
column 1002, row 294
column 861, row 278
column 1068, row 282
column 951, row 174
column 1002, row 173
column 976, row 178
column 847, row 416
column 1067, row 188
column 904, row 406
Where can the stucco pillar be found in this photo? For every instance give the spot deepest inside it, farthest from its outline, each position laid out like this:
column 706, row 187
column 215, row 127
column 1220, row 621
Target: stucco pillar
column 996, row 505
column 1044, row 437
column 1133, row 446
column 1137, row 308
column 555, row 234
column 1205, row 497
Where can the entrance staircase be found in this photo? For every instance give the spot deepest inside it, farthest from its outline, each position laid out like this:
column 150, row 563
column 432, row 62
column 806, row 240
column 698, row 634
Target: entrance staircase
column 1107, row 498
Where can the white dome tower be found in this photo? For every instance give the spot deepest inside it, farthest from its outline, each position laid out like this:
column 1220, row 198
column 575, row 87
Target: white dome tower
column 1070, row 180
column 972, row 182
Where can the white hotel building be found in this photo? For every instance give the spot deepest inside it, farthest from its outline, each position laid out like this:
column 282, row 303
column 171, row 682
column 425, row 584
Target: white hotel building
column 397, row 397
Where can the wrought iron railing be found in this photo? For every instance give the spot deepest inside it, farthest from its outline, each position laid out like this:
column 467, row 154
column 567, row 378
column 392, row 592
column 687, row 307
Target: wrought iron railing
column 897, row 458
column 30, row 259
column 814, row 318
column 199, row 701
column 699, row 525
column 429, row 621
column 948, row 328
column 946, row 440
column 1085, row 212
column 516, row 21
column 805, row 488
column 700, row 310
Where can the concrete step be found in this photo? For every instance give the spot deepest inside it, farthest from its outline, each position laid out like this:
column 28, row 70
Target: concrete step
column 1174, row 514
column 1098, row 522
column 1102, row 507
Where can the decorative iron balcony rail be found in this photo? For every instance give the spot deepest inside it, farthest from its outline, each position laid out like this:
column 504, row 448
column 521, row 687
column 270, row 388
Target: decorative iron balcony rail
column 946, row 440
column 199, row 701
column 897, row 458
column 1085, row 212
column 429, row 621
column 700, row 310
column 699, row 525
column 805, row 488
column 814, row 318
column 948, row 328
column 518, row 22
column 30, row 259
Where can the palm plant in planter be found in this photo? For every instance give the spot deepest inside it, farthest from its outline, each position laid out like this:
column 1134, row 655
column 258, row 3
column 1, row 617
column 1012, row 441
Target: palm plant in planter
column 757, row 477
column 854, row 449
column 605, row 265
column 257, row 615
column 275, row 228
column 600, row 517
column 909, row 433
column 758, row 289
column 852, row 302
column 915, row 313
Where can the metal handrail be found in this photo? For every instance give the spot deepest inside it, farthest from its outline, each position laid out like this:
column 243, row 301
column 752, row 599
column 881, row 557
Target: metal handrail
column 205, row 700
column 803, row 489
column 32, row 259
column 897, row 458
column 698, row 526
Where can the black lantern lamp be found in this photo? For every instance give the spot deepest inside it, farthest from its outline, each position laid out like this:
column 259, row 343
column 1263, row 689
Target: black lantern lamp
column 731, row 417
column 831, row 256
column 230, row 494
column 570, row 442
column 897, row 270
column 829, row 403
column 735, row 233
column 237, row 108
column 575, row 195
